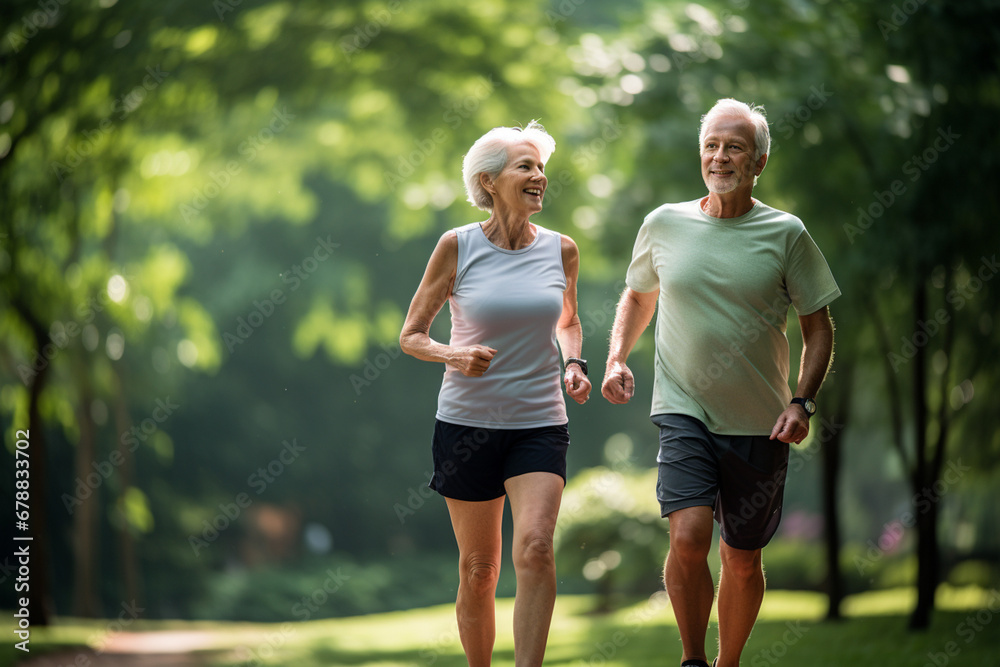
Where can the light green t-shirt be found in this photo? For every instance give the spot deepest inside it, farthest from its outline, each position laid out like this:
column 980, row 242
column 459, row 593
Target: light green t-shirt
column 725, row 287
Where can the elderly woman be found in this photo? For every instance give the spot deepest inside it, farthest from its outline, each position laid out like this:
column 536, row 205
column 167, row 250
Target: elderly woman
column 501, row 418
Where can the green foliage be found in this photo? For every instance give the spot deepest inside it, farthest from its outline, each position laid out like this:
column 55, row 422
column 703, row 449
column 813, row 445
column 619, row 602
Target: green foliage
column 333, row 586
column 610, row 533
column 642, row 633
column 229, row 205
column 792, row 564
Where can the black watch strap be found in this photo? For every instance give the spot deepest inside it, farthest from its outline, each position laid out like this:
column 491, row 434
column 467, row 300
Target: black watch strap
column 581, row 362
column 807, row 404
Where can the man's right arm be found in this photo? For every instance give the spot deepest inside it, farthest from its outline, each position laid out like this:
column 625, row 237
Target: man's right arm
column 635, row 311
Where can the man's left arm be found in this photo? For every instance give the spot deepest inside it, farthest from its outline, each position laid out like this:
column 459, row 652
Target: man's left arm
column 817, row 352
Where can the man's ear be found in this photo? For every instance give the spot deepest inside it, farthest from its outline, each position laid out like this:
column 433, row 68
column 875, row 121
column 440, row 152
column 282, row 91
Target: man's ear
column 760, row 164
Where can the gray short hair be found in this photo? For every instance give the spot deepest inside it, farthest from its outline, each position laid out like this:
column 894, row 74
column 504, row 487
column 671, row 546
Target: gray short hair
column 489, row 156
column 754, row 113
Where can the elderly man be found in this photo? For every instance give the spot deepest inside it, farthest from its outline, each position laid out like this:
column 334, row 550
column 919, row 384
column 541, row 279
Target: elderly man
column 723, row 270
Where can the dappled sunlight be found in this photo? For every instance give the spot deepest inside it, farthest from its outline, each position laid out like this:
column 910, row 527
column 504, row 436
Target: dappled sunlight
column 226, row 208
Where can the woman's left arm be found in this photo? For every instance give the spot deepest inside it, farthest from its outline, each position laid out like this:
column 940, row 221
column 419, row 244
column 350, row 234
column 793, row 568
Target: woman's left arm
column 569, row 331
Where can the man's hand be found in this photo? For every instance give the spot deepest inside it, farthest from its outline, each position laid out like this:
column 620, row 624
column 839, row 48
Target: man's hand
column 619, row 385
column 577, row 385
column 792, row 425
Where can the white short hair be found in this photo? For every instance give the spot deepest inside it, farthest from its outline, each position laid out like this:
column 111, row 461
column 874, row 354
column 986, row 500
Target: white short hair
column 489, row 156
column 754, row 113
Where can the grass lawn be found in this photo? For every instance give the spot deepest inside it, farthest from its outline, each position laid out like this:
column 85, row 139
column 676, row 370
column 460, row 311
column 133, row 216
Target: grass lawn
column 789, row 632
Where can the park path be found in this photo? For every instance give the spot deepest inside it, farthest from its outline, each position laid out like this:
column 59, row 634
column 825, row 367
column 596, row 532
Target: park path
column 136, row 649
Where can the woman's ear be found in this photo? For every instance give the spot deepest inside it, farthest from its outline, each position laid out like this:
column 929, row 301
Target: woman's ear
column 487, row 182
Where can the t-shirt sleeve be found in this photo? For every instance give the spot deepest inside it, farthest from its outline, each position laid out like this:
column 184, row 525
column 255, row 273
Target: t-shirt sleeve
column 641, row 275
column 808, row 277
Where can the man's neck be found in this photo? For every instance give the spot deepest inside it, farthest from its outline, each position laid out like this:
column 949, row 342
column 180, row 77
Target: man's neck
column 729, row 205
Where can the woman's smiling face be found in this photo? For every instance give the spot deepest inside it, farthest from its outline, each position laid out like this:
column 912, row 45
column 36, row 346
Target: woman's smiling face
column 520, row 185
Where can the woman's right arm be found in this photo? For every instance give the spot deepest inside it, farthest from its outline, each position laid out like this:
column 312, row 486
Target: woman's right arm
column 434, row 289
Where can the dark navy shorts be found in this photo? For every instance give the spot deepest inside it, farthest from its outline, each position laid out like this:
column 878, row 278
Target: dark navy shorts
column 741, row 476
column 473, row 462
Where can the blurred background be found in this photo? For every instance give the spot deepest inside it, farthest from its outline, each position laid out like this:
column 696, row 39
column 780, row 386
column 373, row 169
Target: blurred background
column 213, row 216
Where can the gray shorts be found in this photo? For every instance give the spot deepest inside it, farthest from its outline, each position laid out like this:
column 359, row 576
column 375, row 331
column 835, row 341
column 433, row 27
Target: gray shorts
column 741, row 476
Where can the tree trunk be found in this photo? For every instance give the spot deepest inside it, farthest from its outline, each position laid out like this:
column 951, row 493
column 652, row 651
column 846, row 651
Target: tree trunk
column 85, row 598
column 834, row 584
column 928, row 565
column 831, row 451
column 923, row 477
column 40, row 605
column 129, row 564
column 929, row 502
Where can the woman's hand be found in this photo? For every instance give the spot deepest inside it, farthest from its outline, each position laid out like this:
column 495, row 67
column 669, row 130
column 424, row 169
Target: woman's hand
column 577, row 384
column 473, row 360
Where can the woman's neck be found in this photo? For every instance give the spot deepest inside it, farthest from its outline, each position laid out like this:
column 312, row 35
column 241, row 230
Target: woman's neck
column 509, row 232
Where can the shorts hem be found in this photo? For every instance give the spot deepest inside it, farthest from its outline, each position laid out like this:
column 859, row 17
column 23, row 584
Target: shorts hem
column 746, row 545
column 525, row 472
column 669, row 508
column 467, row 500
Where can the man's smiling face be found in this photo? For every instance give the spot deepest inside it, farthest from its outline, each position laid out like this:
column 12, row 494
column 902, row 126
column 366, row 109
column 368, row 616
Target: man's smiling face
column 727, row 151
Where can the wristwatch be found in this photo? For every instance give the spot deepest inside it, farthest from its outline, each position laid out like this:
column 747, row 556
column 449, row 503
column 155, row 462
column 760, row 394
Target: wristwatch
column 581, row 362
column 807, row 404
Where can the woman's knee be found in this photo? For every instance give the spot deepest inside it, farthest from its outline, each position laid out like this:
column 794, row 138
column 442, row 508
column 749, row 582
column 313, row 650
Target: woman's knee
column 535, row 552
column 481, row 573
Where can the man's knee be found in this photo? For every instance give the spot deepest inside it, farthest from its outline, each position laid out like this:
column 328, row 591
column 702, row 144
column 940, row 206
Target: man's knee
column 741, row 563
column 690, row 534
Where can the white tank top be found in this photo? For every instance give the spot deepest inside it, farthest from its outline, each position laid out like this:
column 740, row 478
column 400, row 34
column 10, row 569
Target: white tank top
column 509, row 300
